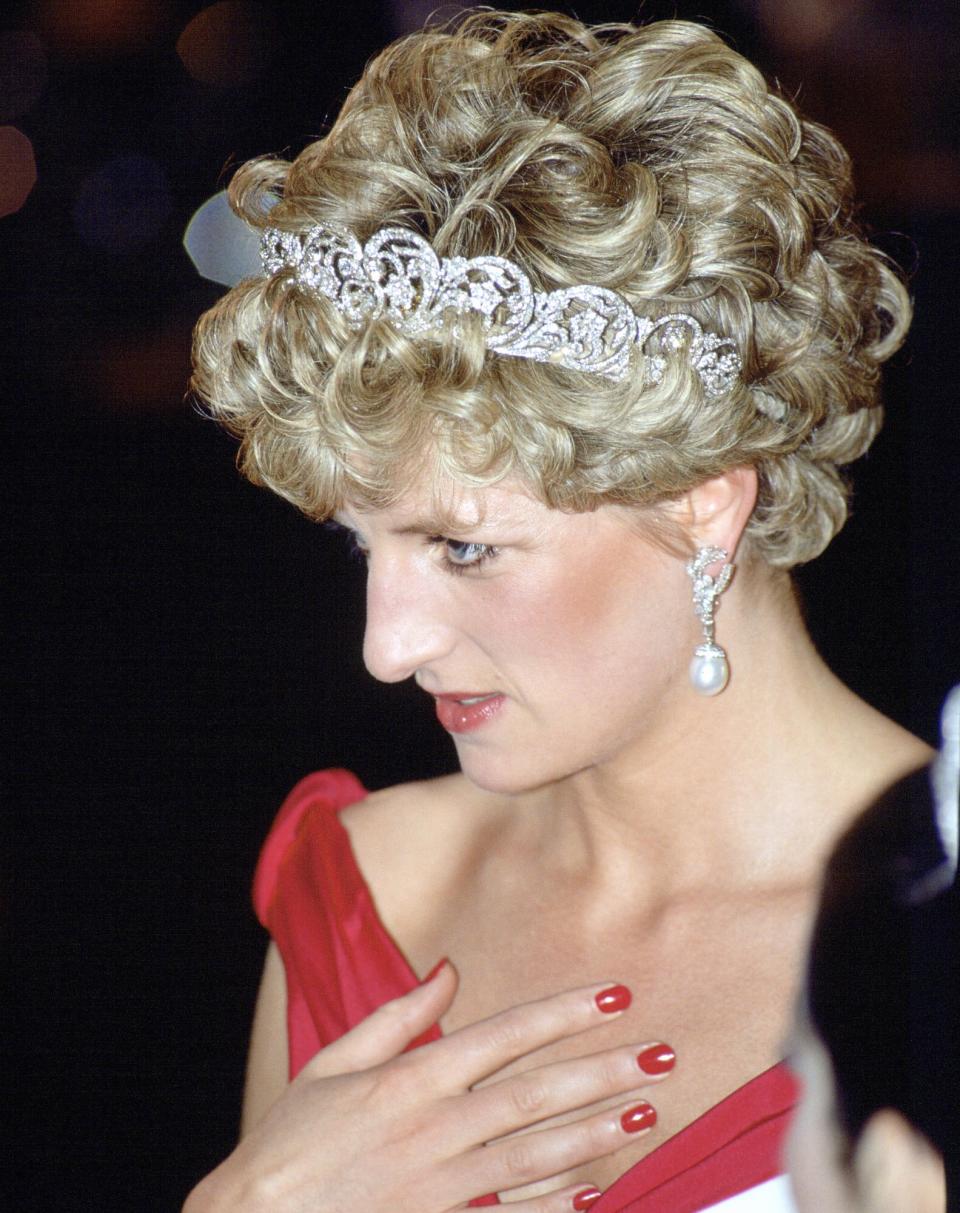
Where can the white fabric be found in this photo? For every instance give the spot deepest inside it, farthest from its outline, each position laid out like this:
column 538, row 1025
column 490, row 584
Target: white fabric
column 774, row 1196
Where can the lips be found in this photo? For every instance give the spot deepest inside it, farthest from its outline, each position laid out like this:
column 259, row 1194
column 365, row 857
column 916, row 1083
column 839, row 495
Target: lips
column 462, row 712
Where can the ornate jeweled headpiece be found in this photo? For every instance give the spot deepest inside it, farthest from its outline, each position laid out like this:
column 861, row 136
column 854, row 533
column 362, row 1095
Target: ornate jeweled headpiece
column 397, row 275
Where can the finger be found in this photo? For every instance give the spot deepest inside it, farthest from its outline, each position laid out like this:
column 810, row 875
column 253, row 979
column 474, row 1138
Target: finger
column 536, row 1095
column 572, row 1199
column 529, row 1157
column 387, row 1032
column 483, row 1048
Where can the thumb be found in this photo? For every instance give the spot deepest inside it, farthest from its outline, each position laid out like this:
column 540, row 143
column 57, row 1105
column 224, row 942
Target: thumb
column 391, row 1028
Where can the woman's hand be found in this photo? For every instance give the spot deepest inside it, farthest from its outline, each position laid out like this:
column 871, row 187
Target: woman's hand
column 368, row 1128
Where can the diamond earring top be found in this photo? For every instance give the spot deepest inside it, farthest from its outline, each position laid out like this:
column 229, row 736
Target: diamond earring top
column 397, row 275
column 709, row 670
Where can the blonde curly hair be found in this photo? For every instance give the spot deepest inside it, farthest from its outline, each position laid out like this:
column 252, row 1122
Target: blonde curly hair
column 654, row 161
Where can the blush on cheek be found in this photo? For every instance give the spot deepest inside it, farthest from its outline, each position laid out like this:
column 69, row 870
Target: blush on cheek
column 599, row 602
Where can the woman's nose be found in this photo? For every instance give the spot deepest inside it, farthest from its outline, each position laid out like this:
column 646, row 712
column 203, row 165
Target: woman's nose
column 405, row 628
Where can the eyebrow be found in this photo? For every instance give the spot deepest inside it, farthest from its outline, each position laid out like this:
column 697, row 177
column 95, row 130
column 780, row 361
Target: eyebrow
column 428, row 524
column 439, row 524
column 435, row 519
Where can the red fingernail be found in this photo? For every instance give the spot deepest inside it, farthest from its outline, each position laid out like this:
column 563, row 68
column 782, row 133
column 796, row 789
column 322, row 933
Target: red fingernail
column 643, row 1116
column 614, row 998
column 658, row 1059
column 435, row 970
column 586, row 1199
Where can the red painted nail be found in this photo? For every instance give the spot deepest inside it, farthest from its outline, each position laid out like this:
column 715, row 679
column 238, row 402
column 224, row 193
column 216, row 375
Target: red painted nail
column 586, row 1199
column 614, row 998
column 643, row 1116
column 658, row 1059
column 435, row 970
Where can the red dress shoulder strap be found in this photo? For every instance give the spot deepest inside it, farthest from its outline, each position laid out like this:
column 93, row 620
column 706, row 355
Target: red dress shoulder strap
column 330, row 790
column 341, row 962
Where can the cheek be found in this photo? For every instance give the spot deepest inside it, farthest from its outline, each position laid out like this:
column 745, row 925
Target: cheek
column 599, row 631
column 586, row 658
column 610, row 619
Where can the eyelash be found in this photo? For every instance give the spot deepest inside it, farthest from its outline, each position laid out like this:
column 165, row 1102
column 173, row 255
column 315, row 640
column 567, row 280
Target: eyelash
column 484, row 551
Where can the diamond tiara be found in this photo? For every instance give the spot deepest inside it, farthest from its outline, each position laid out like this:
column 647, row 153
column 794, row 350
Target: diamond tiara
column 398, row 276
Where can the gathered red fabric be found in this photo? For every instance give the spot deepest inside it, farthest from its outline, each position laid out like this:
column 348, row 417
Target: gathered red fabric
column 341, row 964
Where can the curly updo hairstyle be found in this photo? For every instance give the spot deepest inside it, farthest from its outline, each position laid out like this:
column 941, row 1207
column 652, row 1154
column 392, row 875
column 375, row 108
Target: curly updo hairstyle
column 651, row 160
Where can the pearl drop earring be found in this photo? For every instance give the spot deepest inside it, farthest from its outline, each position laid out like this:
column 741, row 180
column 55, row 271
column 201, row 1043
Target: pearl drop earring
column 709, row 670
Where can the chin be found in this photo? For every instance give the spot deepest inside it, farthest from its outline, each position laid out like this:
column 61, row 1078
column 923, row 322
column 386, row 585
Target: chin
column 501, row 779
column 508, row 774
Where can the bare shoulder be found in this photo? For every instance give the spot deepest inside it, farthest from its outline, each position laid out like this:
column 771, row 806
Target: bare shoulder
column 432, row 812
column 267, row 1062
column 416, row 844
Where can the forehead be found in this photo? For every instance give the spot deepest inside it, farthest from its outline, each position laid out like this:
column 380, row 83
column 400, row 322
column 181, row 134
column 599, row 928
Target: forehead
column 439, row 504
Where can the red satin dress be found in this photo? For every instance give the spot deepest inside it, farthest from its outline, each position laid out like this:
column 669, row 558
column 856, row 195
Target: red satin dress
column 341, row 964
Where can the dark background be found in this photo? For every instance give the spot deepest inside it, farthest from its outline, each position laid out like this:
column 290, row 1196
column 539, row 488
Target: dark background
column 180, row 647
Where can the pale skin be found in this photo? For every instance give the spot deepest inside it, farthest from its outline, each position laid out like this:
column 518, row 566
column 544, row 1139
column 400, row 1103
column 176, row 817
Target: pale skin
column 891, row 1166
column 608, row 822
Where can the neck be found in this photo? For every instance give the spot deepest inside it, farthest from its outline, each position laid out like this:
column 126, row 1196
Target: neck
column 750, row 787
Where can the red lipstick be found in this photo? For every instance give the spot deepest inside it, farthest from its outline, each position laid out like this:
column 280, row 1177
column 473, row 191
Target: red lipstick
column 463, row 711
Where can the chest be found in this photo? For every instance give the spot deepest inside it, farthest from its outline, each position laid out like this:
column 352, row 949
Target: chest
column 708, row 966
column 715, row 980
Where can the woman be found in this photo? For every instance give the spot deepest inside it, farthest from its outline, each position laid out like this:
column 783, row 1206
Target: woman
column 559, row 324
column 878, row 1043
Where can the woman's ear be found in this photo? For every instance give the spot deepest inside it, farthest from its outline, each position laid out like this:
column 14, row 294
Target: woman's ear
column 896, row 1169
column 715, row 513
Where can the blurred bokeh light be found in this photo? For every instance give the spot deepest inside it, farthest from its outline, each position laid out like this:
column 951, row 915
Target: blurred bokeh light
column 222, row 247
column 144, row 372
column 97, row 27
column 807, row 25
column 23, row 72
column 229, row 43
column 407, row 16
column 123, row 205
column 18, row 169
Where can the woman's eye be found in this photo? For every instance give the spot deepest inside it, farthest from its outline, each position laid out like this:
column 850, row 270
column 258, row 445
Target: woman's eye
column 460, row 554
column 466, row 553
